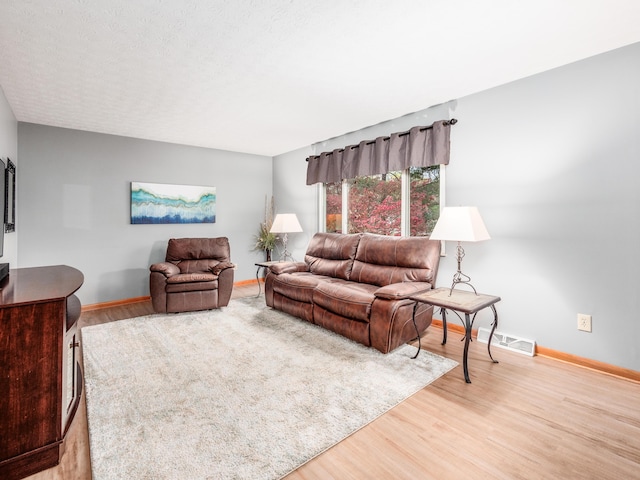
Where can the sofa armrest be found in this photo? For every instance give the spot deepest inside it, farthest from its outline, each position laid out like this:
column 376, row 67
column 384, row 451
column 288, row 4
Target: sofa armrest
column 166, row 268
column 288, row 267
column 225, row 285
column 397, row 291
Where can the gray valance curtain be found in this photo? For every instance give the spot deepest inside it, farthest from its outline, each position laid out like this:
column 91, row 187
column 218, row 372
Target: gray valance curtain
column 419, row 147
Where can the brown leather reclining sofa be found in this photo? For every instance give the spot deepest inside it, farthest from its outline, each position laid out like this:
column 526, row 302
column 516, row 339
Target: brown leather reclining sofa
column 358, row 285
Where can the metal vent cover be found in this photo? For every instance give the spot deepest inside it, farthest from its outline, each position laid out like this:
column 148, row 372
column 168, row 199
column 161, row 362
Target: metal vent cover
column 509, row 342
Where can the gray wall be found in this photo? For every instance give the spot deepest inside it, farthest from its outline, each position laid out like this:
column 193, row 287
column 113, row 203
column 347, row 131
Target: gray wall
column 552, row 161
column 8, row 149
column 74, row 205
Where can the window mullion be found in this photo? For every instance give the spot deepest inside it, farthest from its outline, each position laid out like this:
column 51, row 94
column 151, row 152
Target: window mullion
column 322, row 207
column 405, row 209
column 345, row 206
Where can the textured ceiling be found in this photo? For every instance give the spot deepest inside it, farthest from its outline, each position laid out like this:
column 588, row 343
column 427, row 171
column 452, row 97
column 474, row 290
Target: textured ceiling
column 268, row 77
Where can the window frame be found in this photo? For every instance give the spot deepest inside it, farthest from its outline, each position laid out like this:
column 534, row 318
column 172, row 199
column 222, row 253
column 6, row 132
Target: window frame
column 405, row 216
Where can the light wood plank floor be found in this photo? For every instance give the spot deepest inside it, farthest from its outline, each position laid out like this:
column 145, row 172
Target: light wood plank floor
column 524, row 418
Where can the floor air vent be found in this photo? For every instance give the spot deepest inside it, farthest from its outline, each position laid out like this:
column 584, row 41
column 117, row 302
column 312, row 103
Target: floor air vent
column 510, row 342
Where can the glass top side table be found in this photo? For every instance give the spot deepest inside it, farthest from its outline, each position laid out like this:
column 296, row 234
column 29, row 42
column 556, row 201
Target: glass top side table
column 262, row 265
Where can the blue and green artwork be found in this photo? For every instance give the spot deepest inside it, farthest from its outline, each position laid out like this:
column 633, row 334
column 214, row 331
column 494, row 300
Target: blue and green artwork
column 153, row 203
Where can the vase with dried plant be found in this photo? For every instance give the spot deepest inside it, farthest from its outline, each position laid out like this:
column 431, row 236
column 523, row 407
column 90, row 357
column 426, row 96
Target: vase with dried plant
column 265, row 240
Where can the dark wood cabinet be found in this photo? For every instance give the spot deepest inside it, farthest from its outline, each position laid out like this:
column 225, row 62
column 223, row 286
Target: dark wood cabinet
column 40, row 376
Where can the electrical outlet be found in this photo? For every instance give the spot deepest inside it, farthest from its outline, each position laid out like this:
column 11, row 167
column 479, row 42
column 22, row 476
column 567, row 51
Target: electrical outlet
column 584, row 322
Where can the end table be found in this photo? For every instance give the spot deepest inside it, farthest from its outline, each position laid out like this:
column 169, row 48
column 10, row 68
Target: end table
column 459, row 301
column 262, row 265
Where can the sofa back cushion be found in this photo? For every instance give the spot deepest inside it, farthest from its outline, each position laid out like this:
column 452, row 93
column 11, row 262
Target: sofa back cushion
column 198, row 254
column 332, row 254
column 382, row 260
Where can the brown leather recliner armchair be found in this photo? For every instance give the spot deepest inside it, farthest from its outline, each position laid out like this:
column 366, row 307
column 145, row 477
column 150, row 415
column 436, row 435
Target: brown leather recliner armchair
column 197, row 274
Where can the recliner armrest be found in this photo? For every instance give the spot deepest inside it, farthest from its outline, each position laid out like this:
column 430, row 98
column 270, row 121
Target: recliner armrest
column 288, row 267
column 397, row 291
column 221, row 266
column 166, row 268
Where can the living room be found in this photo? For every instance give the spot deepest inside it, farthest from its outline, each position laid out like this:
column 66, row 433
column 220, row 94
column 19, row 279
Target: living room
column 550, row 160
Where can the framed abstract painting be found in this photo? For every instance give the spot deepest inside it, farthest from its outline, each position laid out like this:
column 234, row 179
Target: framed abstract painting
column 157, row 203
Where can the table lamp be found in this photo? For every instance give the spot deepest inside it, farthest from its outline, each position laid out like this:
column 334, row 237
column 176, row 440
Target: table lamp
column 285, row 223
column 460, row 224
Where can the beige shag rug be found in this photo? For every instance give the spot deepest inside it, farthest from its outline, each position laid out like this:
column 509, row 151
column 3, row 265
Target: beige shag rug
column 242, row 392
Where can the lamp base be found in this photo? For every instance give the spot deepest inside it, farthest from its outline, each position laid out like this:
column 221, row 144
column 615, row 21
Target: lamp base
column 460, row 277
column 286, row 254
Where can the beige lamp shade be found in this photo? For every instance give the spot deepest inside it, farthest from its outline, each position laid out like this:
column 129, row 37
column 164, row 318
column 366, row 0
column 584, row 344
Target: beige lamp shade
column 460, row 224
column 286, row 223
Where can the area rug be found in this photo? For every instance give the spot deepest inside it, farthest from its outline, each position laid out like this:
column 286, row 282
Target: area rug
column 242, row 392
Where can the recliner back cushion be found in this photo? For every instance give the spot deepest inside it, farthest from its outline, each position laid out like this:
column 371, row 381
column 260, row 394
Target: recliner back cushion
column 332, row 254
column 197, row 266
column 382, row 260
column 198, row 254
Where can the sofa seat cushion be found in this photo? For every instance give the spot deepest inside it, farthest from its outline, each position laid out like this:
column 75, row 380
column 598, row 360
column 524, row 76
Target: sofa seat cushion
column 298, row 286
column 344, row 298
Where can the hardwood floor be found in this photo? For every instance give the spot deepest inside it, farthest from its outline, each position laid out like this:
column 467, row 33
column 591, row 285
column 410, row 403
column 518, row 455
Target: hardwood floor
column 524, row 418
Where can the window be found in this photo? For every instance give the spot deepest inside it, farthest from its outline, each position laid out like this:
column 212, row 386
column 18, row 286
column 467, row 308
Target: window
column 333, row 207
column 396, row 203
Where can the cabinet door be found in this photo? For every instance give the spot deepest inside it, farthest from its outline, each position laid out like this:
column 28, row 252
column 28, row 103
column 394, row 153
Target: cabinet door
column 69, row 374
column 31, row 341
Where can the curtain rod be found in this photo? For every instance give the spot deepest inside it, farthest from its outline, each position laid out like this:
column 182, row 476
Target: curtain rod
column 446, row 123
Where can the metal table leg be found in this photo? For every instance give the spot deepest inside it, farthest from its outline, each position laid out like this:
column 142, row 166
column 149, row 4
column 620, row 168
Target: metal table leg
column 415, row 325
column 493, row 329
column 258, row 280
column 443, row 312
column 467, row 340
